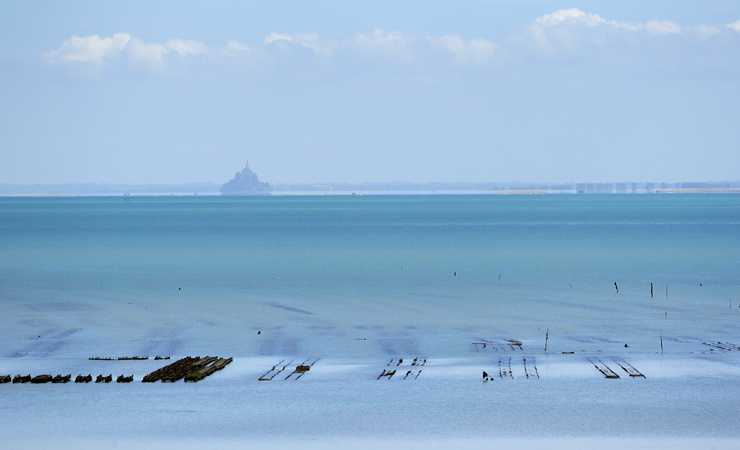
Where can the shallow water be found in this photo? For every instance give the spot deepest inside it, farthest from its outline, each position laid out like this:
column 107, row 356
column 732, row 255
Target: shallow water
column 357, row 281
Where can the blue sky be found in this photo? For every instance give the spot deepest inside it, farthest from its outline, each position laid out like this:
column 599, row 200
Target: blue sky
column 418, row 91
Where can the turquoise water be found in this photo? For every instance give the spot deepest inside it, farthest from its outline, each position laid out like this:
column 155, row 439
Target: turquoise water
column 356, row 281
column 418, row 274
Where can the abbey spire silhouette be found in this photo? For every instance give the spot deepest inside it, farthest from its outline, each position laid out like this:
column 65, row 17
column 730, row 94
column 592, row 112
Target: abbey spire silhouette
column 246, row 182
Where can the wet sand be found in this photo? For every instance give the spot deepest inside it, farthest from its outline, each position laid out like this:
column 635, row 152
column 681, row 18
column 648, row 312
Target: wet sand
column 684, row 400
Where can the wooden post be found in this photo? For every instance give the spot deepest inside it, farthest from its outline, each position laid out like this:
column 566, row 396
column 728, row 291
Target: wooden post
column 651, row 290
column 547, row 336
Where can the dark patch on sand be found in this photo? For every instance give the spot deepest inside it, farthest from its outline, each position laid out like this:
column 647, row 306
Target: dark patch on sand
column 59, row 307
column 162, row 341
column 65, row 333
column 410, row 347
column 267, row 347
column 40, row 349
column 289, row 308
column 387, row 346
column 35, row 323
column 402, row 346
column 279, row 345
column 50, row 333
column 44, row 344
column 171, row 411
column 290, row 346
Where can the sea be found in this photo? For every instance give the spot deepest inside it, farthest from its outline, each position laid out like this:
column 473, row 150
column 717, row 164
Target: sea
column 537, row 291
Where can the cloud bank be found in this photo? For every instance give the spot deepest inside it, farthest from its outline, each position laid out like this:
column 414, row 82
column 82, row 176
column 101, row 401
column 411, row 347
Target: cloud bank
column 98, row 50
column 565, row 32
column 95, row 50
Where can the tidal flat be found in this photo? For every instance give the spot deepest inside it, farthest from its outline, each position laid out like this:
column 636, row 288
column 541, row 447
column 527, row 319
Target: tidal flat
column 520, row 288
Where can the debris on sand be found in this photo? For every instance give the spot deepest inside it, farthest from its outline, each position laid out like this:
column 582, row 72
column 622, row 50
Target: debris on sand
column 39, row 379
column 83, row 378
column 208, row 370
column 102, row 379
column 302, row 369
column 62, row 379
column 603, row 368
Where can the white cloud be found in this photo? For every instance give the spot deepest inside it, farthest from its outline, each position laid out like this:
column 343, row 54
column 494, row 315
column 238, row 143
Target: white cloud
column 393, row 43
column 707, row 30
column 95, row 50
column 147, row 54
column 236, row 46
column 311, row 41
column 663, row 27
column 563, row 27
column 275, row 37
column 235, row 50
column 476, row 50
column 571, row 28
column 189, row 47
column 572, row 16
column 89, row 49
column 314, row 42
column 382, row 39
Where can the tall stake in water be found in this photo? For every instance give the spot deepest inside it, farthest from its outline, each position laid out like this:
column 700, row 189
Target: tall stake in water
column 547, row 336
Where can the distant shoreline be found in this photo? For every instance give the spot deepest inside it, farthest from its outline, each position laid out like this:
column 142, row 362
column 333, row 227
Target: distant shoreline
column 378, row 192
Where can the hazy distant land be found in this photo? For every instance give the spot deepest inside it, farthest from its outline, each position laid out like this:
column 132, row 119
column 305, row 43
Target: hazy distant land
column 246, row 182
column 329, row 188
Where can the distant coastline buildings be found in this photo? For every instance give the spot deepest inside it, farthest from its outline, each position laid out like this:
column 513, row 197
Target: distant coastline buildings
column 246, row 182
column 514, row 187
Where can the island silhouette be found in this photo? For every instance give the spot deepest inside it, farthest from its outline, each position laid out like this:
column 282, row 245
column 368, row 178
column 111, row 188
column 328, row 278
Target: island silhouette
column 246, row 182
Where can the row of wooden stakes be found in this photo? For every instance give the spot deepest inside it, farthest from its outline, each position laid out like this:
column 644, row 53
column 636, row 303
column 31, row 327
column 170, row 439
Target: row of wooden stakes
column 191, row 369
column 41, row 379
column 127, row 358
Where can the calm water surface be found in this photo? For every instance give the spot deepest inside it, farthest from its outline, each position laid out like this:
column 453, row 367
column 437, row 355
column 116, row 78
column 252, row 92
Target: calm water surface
column 429, row 273
column 357, row 281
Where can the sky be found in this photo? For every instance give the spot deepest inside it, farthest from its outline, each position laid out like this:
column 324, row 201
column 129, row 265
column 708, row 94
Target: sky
column 337, row 91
